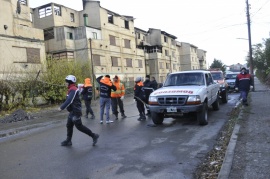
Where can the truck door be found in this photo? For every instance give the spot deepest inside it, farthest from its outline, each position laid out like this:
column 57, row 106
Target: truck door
column 210, row 87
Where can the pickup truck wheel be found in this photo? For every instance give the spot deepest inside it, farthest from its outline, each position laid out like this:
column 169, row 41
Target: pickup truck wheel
column 202, row 116
column 224, row 97
column 157, row 118
column 215, row 105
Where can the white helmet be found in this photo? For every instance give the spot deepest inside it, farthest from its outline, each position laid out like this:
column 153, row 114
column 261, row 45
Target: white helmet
column 71, row 78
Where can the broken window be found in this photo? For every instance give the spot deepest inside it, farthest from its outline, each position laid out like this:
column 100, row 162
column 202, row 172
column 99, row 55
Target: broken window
column 127, row 43
column 161, row 65
column 72, row 18
column 126, row 24
column 114, row 61
column 168, row 66
column 48, row 34
column 57, row 10
column 129, row 62
column 166, row 53
column 139, row 36
column 112, row 40
column 165, row 39
column 110, row 18
column 33, row 55
column 23, row 2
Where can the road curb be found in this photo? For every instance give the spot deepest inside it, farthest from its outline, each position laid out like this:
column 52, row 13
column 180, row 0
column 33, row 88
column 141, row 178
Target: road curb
column 228, row 159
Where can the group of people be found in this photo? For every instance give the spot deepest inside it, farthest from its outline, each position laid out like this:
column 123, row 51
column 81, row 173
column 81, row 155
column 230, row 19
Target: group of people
column 111, row 94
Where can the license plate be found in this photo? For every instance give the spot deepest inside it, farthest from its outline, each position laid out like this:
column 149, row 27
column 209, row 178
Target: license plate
column 171, row 109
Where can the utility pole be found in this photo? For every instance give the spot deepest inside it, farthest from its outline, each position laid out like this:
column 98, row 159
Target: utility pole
column 249, row 43
column 92, row 70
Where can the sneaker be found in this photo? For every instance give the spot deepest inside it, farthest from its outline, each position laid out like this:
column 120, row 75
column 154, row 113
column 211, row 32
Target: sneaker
column 95, row 139
column 108, row 122
column 124, row 116
column 139, row 119
column 92, row 117
column 101, row 122
column 66, row 143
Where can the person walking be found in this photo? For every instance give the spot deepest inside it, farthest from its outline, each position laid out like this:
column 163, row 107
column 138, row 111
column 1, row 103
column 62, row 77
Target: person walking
column 117, row 98
column 86, row 93
column 105, row 87
column 139, row 98
column 244, row 83
column 73, row 106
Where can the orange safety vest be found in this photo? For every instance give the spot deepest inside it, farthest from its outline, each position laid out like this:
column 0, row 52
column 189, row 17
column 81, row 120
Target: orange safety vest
column 120, row 90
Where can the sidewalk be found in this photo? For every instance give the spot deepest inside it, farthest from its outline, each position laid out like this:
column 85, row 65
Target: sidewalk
column 248, row 153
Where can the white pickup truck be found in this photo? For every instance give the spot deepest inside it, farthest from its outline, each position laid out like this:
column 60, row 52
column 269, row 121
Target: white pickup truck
column 185, row 92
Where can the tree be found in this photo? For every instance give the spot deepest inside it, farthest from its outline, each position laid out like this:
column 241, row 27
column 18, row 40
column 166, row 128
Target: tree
column 261, row 59
column 218, row 64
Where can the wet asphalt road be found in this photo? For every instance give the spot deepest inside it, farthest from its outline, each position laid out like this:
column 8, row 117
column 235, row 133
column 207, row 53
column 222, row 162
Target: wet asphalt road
column 126, row 148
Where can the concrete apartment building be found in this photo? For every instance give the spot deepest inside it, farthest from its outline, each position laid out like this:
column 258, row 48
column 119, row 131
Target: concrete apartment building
column 22, row 47
column 161, row 52
column 202, row 58
column 103, row 38
column 189, row 57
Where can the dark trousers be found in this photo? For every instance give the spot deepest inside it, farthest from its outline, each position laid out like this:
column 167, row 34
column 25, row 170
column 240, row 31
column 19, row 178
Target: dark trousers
column 115, row 103
column 140, row 107
column 76, row 120
column 88, row 107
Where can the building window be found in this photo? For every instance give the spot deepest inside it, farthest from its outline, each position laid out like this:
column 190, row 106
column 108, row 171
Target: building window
column 127, row 43
column 48, row 34
column 161, row 65
column 128, row 62
column 72, row 18
column 57, row 10
column 165, row 39
column 168, row 65
column 126, row 24
column 112, row 40
column 63, row 55
column 94, row 35
column 110, row 18
column 166, row 53
column 69, row 35
column 173, row 54
column 33, row 55
column 96, row 60
column 23, row 2
column 114, row 61
column 139, row 36
column 47, row 11
column 140, row 65
column 174, row 66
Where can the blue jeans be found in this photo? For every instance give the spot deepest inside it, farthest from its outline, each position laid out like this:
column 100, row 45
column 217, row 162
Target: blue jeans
column 243, row 95
column 105, row 102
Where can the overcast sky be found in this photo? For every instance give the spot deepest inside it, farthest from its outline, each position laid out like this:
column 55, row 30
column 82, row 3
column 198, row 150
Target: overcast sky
column 217, row 26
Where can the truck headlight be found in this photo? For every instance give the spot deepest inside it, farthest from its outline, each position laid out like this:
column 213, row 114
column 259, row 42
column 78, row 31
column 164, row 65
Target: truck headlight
column 222, row 85
column 153, row 100
column 194, row 99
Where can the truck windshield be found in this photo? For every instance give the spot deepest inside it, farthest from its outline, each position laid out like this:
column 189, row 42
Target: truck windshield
column 183, row 79
column 217, row 76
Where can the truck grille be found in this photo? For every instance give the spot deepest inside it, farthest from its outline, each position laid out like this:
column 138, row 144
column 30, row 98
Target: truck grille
column 172, row 100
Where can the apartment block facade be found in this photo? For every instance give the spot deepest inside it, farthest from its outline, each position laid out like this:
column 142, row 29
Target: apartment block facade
column 99, row 36
column 22, row 47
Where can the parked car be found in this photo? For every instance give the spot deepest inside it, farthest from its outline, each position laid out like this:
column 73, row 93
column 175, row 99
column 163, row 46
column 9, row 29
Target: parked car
column 230, row 78
column 219, row 78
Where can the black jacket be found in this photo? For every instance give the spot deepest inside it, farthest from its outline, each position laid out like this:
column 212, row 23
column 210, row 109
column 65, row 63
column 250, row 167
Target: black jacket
column 105, row 87
column 87, row 93
column 73, row 102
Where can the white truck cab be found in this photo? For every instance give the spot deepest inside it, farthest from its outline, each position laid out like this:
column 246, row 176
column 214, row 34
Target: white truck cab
column 185, row 92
